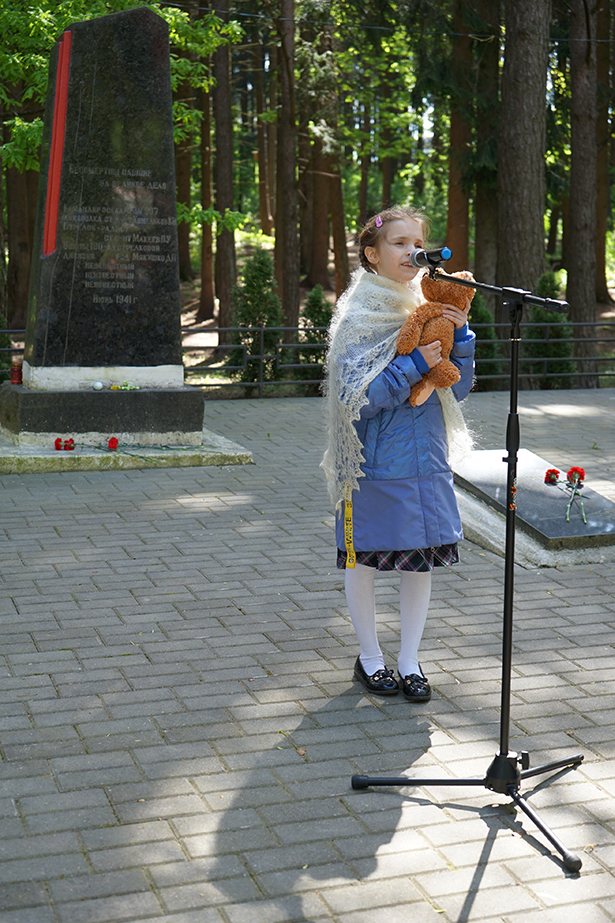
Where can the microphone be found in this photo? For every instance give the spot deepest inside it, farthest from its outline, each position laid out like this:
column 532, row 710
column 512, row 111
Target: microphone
column 419, row 258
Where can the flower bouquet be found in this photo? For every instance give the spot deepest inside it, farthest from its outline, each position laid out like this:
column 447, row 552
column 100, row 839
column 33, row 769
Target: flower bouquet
column 573, row 484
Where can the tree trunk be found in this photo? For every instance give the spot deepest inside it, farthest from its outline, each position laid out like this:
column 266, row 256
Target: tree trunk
column 19, row 247
column 272, row 127
column 486, row 235
column 458, row 216
column 458, row 219
column 554, row 217
column 207, row 300
column 387, row 163
column 366, row 157
column 264, row 204
column 183, row 170
column 3, row 247
column 32, row 178
column 565, row 228
column 419, row 177
column 338, row 228
column 521, row 144
column 286, row 229
column 603, row 26
column 486, row 201
column 319, row 263
column 438, row 141
column 305, row 194
column 581, row 290
column 223, row 175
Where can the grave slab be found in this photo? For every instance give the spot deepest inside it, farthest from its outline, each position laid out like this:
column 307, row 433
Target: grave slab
column 543, row 537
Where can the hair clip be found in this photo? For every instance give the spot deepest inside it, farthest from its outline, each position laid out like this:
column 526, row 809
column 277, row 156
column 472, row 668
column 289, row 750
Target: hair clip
column 378, row 221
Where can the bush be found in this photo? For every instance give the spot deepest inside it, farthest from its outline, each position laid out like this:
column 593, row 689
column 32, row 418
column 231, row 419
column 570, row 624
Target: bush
column 317, row 313
column 557, row 348
column 255, row 304
column 488, row 352
column 5, row 358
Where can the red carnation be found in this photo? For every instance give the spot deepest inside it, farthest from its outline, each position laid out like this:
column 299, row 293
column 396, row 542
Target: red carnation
column 113, row 444
column 69, row 445
column 551, row 476
column 58, row 444
column 576, row 476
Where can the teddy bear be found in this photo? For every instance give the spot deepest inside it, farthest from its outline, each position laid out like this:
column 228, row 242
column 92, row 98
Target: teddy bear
column 427, row 324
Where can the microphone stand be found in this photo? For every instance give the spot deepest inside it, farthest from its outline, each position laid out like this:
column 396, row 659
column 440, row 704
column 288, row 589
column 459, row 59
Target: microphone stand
column 508, row 769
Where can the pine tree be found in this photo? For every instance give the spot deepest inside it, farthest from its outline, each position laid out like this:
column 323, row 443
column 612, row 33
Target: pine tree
column 489, row 359
column 256, row 304
column 551, row 341
column 316, row 317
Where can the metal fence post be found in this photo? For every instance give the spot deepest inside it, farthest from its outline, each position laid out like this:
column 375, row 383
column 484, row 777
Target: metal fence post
column 261, row 361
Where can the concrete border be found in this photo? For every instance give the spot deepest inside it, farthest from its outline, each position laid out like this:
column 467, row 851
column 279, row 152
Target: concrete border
column 484, row 526
column 214, row 450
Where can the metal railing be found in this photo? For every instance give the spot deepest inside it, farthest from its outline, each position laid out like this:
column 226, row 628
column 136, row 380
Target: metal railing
column 258, row 363
column 276, row 360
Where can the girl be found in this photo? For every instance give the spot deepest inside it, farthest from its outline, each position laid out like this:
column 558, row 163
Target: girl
column 404, row 514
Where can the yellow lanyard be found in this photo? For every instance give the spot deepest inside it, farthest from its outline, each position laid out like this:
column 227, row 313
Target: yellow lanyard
column 351, row 558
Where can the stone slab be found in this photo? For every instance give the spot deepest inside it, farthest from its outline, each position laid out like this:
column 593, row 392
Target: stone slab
column 212, row 450
column 541, row 508
column 138, row 416
column 486, row 527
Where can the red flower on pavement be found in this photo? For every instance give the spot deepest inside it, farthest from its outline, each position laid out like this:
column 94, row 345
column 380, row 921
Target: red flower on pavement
column 69, row 445
column 551, row 476
column 113, row 444
column 58, row 444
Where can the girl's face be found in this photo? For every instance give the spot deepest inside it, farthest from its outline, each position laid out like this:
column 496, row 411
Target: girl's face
column 390, row 255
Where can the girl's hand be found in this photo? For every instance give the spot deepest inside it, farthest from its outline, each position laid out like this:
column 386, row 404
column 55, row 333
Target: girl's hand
column 425, row 393
column 432, row 353
column 459, row 316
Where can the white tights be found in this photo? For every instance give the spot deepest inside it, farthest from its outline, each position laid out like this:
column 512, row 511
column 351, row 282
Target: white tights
column 414, row 593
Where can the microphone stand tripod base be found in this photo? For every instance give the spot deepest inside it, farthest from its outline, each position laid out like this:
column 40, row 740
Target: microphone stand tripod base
column 504, row 777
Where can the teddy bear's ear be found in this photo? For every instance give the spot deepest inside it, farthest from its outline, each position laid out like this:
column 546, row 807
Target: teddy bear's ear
column 464, row 274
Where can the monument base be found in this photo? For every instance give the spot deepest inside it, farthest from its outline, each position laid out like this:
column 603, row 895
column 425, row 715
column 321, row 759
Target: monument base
column 82, row 378
column 156, row 416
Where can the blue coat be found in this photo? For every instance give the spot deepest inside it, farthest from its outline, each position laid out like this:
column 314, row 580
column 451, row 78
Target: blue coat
column 406, row 499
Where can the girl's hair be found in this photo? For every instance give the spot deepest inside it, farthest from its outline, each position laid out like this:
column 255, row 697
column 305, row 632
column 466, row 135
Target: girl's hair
column 374, row 229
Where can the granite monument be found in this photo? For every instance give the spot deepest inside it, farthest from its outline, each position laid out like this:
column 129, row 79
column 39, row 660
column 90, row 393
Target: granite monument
column 103, row 342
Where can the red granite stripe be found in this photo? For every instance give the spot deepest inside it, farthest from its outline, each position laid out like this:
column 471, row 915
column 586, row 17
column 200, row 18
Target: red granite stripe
column 57, row 146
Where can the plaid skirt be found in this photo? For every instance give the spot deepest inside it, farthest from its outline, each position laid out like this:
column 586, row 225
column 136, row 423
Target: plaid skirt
column 420, row 559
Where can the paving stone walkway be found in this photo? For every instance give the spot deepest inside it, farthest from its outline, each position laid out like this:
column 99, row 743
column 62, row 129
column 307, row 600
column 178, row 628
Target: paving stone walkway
column 179, row 726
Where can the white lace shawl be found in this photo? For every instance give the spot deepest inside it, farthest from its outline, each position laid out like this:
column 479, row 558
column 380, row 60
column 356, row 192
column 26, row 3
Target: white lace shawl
column 362, row 342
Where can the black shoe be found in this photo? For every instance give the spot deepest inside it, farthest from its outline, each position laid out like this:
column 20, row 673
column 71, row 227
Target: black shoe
column 382, row 682
column 415, row 688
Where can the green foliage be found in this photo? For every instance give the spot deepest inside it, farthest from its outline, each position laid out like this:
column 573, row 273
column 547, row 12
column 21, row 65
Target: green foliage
column 549, row 339
column 23, row 150
column 256, row 304
column 5, row 338
column 548, row 286
column 28, row 32
column 488, row 353
column 317, row 312
column 194, row 39
column 229, row 221
column 5, row 343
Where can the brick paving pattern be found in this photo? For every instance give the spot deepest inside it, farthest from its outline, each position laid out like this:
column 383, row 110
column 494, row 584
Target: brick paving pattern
column 179, row 725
